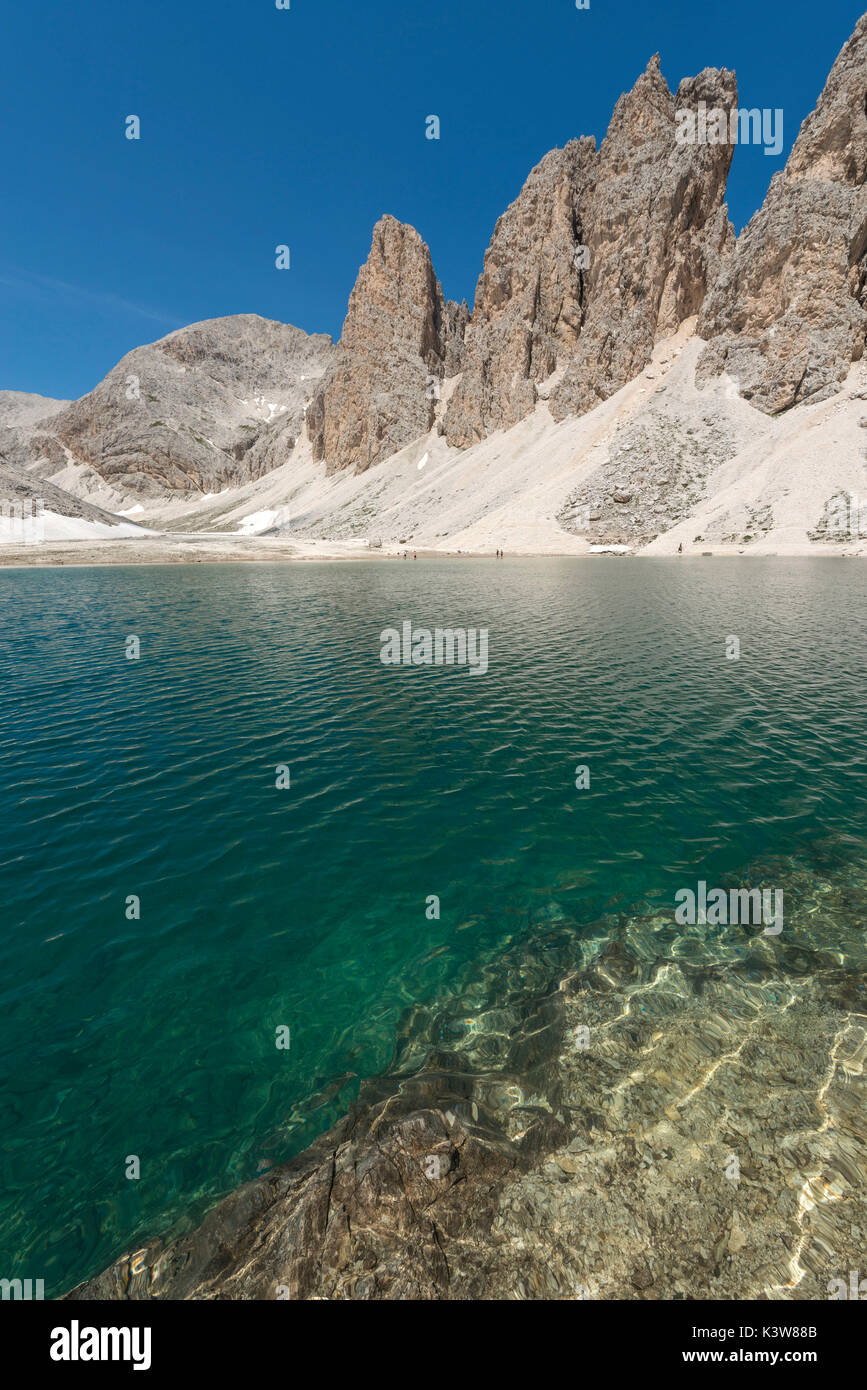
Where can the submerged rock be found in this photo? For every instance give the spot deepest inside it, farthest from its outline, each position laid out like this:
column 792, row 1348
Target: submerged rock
column 670, row 1120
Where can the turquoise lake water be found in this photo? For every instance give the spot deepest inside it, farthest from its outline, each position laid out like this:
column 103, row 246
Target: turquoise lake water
column 305, row 906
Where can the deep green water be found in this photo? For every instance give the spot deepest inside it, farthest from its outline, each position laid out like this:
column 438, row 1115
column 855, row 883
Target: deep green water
column 306, row 907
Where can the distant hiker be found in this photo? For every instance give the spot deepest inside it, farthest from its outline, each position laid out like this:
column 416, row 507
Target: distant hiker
column 680, row 548
column 414, row 556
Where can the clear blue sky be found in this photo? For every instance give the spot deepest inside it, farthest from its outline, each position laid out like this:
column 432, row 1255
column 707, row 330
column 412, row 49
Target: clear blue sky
column 262, row 126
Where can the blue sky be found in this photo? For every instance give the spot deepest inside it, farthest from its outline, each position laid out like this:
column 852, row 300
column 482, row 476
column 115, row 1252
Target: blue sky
column 301, row 127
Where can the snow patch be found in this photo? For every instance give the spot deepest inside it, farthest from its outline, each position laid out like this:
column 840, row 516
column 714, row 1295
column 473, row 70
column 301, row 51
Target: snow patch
column 51, row 526
column 257, row 523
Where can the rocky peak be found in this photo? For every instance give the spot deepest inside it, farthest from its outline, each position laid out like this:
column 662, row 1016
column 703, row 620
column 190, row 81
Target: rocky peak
column 603, row 252
column 787, row 314
column 657, row 231
column 192, row 412
column 832, row 142
column 398, row 340
column 529, row 299
column 396, row 283
column 640, row 119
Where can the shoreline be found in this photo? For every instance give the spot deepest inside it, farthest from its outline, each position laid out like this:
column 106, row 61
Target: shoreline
column 200, row 550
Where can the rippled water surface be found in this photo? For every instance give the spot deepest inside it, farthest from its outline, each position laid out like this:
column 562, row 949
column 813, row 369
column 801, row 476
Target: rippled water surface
column 306, row 906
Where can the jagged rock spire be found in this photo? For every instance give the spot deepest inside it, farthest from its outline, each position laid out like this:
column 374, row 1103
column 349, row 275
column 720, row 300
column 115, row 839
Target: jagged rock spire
column 787, row 315
column 398, row 339
column 601, row 253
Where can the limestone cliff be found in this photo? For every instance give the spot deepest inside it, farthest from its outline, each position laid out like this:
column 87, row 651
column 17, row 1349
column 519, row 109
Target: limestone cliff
column 529, row 301
column 656, row 231
column 398, row 342
column 787, row 314
column 602, row 253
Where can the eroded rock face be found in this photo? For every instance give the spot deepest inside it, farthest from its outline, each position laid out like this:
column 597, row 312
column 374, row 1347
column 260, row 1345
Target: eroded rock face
column 657, row 230
column 398, row 342
column 602, row 253
column 17, row 485
column 787, row 314
column 455, row 325
column 23, row 407
column 193, row 412
column 529, row 300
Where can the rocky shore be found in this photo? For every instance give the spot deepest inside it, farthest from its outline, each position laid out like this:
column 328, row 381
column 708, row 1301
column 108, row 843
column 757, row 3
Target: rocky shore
column 640, row 1112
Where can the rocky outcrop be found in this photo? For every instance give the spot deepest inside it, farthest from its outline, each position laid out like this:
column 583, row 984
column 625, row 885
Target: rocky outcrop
column 657, row 229
column 529, row 300
column 356, row 1218
column 787, row 314
column 36, row 495
column 399, row 340
column 194, row 412
column 397, row 1200
column 602, row 253
column 23, row 408
column 455, row 324
column 26, row 491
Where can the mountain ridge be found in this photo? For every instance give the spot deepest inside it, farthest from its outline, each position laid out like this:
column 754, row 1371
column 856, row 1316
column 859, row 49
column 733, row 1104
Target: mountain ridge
column 603, row 255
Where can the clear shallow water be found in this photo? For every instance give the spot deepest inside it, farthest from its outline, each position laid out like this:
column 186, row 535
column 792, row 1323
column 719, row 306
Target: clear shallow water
column 306, row 906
